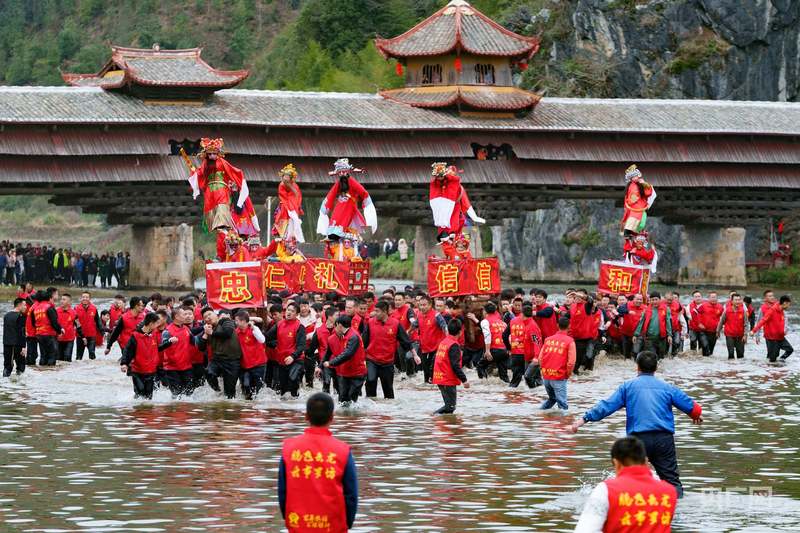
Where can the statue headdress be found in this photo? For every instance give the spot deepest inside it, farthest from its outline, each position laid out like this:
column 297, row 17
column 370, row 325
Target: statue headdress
column 439, row 169
column 342, row 166
column 289, row 170
column 212, row 146
column 632, row 172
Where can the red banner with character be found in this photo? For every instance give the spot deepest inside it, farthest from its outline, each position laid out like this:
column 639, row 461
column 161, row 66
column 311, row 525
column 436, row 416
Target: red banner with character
column 617, row 277
column 459, row 278
column 234, row 285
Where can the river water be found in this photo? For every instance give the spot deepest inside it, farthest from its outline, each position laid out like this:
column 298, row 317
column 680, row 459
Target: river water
column 79, row 454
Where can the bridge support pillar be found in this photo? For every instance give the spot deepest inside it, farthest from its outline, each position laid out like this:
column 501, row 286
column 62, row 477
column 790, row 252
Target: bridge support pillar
column 475, row 242
column 424, row 246
column 712, row 256
column 162, row 257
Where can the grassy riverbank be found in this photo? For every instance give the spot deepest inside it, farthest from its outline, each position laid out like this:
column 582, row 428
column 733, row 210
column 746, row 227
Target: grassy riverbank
column 392, row 267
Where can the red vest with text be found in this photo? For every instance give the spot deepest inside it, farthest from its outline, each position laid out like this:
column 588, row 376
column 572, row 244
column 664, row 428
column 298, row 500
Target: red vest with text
column 115, row 313
column 675, row 309
column 314, row 463
column 146, row 359
column 43, row 327
column 66, row 319
column 662, row 319
column 442, row 370
column 631, row 319
column 694, row 316
column 178, row 356
column 382, row 340
column 554, row 357
column 356, row 366
column 774, row 325
column 734, row 321
column 129, row 323
column 253, row 353
column 496, row 327
column 548, row 325
column 86, row 318
column 638, row 502
column 401, row 314
column 581, row 324
column 709, row 315
column 516, row 336
column 287, row 339
column 532, row 347
column 430, row 334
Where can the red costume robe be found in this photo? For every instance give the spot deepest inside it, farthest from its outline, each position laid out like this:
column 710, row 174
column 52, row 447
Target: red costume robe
column 639, row 196
column 340, row 215
column 216, row 179
column 287, row 215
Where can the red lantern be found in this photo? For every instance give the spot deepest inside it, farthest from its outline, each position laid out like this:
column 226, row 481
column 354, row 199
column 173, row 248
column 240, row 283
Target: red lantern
column 457, row 64
column 523, row 66
column 398, row 68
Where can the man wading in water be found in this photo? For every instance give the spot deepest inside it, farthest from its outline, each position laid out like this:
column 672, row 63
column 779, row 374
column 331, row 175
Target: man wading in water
column 648, row 405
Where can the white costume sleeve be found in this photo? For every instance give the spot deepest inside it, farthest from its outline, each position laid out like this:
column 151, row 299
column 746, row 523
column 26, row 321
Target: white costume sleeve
column 244, row 193
column 370, row 215
column 323, row 222
column 194, row 186
column 595, row 511
column 258, row 335
column 474, row 216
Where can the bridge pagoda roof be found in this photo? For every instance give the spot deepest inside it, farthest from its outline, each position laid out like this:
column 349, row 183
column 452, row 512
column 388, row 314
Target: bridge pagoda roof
column 370, row 112
column 458, row 26
column 156, row 68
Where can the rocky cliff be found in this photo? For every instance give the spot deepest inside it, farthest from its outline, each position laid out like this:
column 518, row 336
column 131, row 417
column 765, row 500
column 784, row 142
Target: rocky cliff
column 711, row 49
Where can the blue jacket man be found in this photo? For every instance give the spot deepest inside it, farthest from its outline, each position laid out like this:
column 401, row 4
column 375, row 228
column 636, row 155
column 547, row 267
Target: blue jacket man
column 648, row 403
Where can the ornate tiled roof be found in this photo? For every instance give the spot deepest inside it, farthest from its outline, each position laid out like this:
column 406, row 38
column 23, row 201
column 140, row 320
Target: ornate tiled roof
column 456, row 27
column 371, row 112
column 157, row 68
column 477, row 96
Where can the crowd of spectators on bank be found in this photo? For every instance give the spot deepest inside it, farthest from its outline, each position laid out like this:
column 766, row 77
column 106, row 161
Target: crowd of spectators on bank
column 41, row 263
column 387, row 248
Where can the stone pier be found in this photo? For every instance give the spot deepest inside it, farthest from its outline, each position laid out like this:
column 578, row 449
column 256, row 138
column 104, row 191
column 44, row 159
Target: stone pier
column 712, row 256
column 424, row 246
column 162, row 257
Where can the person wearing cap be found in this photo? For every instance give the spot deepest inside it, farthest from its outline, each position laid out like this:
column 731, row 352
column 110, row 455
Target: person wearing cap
column 633, row 500
column 648, row 403
column 317, row 476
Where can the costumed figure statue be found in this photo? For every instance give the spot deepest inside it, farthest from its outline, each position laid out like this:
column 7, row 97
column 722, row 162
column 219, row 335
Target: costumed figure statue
column 340, row 220
column 216, row 180
column 290, row 200
column 457, row 250
column 232, row 249
column 639, row 196
column 449, row 203
column 639, row 251
column 288, row 252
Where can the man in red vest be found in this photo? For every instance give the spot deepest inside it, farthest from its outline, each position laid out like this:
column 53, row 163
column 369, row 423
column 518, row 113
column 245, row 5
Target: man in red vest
column 140, row 357
column 447, row 372
column 557, row 360
column 655, row 327
column 545, row 314
column 633, row 500
column 404, row 314
column 709, row 313
column 254, row 356
column 347, row 355
column 317, row 478
column 774, row 323
column 288, row 337
column 175, row 345
column 382, row 337
column 66, row 319
column 526, row 340
column 89, row 326
column 631, row 313
column 693, row 320
column 319, row 346
column 677, row 314
column 734, row 323
column 432, row 327
column 126, row 324
column 44, row 320
column 495, row 340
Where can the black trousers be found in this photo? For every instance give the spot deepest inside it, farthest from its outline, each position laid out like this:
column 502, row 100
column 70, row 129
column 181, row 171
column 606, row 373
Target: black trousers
column 584, row 354
column 48, row 349
column 384, row 373
column 198, row 375
column 627, row 347
column 471, row 358
column 449, row 396
column 179, row 381
column 707, row 342
column 12, row 356
column 428, row 358
column 328, row 379
column 289, row 378
column 33, row 350
column 499, row 359
column 309, row 365
column 774, row 349
column 350, row 388
column 229, row 370
column 253, row 380
column 143, row 385
column 660, row 448
column 517, row 369
column 80, row 346
column 65, row 350
column 659, row 346
column 735, row 344
column 533, row 376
